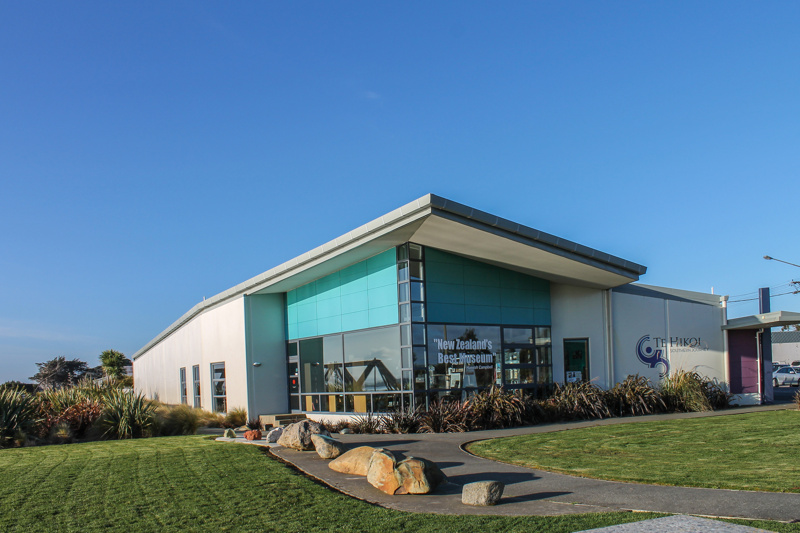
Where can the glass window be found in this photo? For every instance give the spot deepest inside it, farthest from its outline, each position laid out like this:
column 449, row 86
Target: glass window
column 417, row 291
column 184, row 396
column 312, row 375
column 544, row 355
column 402, row 252
column 542, row 336
column 463, row 356
column 402, row 271
column 418, row 333
column 372, row 360
column 405, row 335
column 294, row 378
column 420, row 379
column 292, row 350
column 516, row 356
column 416, row 271
column 418, row 313
column 218, row 394
column 407, row 380
column 520, row 376
column 405, row 356
column 415, row 251
column 405, row 313
column 196, row 384
column 333, row 361
column 419, row 356
column 518, row 335
column 404, row 293
column 383, row 403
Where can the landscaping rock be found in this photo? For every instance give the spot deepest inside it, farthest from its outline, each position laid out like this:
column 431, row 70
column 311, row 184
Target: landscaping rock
column 345, row 431
column 418, row 476
column 274, row 434
column 328, row 447
column 298, row 435
column 482, row 493
column 355, row 461
column 381, row 471
column 229, row 434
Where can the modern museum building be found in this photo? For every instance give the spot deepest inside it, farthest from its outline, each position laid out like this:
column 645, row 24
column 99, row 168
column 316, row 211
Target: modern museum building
column 436, row 299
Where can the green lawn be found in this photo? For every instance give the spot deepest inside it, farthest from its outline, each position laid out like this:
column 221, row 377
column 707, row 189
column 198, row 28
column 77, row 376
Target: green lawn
column 758, row 451
column 195, row 484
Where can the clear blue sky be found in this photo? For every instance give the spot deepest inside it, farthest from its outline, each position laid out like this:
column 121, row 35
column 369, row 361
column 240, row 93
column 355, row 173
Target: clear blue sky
column 155, row 153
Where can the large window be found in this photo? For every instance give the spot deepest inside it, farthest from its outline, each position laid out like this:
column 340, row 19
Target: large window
column 219, row 401
column 463, row 356
column 527, row 359
column 183, row 386
column 196, row 384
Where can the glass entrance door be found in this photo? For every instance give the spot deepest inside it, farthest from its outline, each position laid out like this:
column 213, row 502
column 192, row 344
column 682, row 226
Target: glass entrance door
column 576, row 360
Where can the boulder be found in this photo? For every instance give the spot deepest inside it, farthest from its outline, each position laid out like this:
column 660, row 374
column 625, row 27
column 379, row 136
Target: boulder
column 418, row 476
column 355, row 461
column 229, row 434
column 482, row 493
column 274, row 434
column 345, row 431
column 328, row 447
column 298, row 435
column 381, row 471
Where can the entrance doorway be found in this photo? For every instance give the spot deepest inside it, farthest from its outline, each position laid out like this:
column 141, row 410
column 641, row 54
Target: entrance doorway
column 576, row 360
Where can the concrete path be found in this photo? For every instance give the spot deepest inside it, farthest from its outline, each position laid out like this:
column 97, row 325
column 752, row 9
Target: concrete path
column 536, row 492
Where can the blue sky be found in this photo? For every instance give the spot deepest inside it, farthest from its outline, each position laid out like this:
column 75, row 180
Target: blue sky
column 155, row 153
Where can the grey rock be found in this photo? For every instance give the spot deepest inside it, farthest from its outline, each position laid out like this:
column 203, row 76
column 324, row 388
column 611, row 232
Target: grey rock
column 345, row 431
column 229, row 434
column 274, row 434
column 482, row 493
column 418, row 476
column 298, row 435
column 328, row 447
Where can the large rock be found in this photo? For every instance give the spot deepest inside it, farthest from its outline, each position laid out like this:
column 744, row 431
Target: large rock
column 298, row 435
column 328, row 447
column 274, row 434
column 381, row 472
column 418, row 476
column 482, row 493
column 355, row 461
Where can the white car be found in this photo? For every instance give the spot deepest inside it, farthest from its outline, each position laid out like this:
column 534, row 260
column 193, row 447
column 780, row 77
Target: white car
column 787, row 375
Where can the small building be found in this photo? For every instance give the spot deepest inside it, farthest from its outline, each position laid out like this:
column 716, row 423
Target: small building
column 786, row 347
column 438, row 300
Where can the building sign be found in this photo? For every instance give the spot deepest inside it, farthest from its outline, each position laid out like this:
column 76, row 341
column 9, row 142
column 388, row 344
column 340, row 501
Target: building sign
column 652, row 356
column 573, row 376
column 473, row 351
column 463, row 356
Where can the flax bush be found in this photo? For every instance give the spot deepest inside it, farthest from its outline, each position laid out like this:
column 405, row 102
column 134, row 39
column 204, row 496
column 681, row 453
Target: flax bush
column 684, row 391
column 401, row 421
column 127, row 415
column 494, row 408
column 634, row 396
column 579, row 401
column 18, row 414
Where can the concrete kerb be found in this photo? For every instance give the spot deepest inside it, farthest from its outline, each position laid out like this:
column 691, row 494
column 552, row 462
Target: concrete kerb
column 524, row 493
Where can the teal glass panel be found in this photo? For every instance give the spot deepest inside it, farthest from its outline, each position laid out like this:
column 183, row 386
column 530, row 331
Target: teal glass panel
column 460, row 290
column 356, row 297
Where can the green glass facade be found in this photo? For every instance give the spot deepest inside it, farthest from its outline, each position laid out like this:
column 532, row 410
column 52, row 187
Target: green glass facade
column 463, row 291
column 413, row 325
column 363, row 295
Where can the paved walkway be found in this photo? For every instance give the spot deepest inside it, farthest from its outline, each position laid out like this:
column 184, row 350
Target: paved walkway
column 536, row 492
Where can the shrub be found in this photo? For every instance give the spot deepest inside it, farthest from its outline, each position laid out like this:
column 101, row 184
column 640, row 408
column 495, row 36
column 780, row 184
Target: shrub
column 716, row 393
column 209, row 419
column 127, row 415
column 18, row 413
column 494, row 408
column 369, row 423
column 538, row 411
column 254, row 424
column 444, row 417
column 177, row 420
column 634, row 396
column 582, row 401
column 401, row 421
column 685, row 391
column 336, row 427
column 236, row 417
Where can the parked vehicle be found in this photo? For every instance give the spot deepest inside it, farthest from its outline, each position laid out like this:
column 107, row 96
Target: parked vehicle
column 787, row 375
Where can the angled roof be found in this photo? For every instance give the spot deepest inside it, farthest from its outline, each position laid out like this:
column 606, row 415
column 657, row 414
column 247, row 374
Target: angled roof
column 447, row 225
column 764, row 320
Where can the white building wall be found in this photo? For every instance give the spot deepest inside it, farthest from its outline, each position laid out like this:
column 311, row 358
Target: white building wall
column 689, row 336
column 785, row 352
column 215, row 336
column 578, row 313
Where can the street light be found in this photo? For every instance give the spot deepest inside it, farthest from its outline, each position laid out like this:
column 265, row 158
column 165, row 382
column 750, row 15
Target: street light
column 780, row 260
